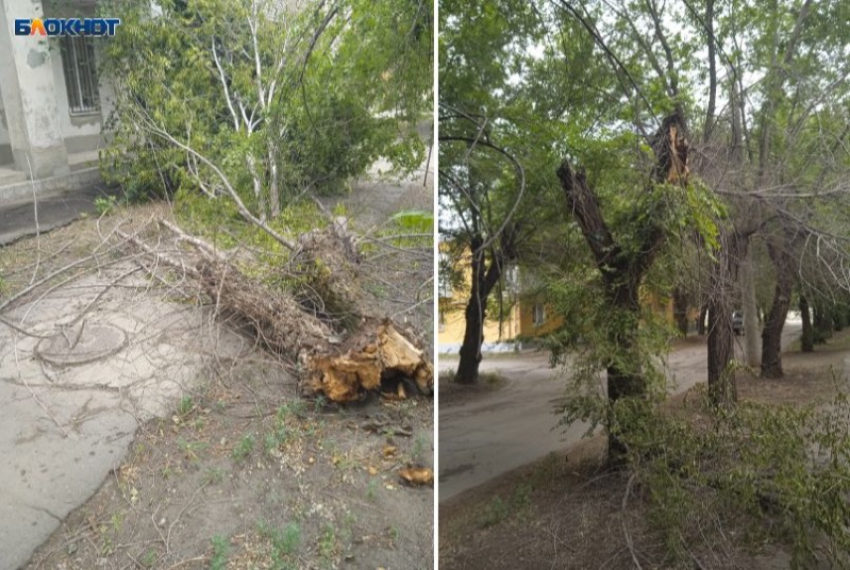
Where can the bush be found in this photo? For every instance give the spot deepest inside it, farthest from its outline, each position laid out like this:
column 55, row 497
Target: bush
column 772, row 472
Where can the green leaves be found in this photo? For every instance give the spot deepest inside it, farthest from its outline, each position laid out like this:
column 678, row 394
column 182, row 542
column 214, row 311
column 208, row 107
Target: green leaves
column 283, row 102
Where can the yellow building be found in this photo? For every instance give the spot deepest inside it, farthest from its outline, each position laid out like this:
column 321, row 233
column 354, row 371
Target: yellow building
column 527, row 317
column 452, row 322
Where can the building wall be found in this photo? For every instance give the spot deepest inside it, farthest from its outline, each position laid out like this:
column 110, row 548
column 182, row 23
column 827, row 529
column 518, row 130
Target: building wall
column 452, row 325
column 5, row 146
column 81, row 132
column 527, row 327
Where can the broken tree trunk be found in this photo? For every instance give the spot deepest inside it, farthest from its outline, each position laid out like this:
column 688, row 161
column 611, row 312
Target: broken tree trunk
column 375, row 356
column 621, row 269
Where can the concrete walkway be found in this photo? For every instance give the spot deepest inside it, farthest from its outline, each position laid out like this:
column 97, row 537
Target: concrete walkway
column 75, row 387
column 17, row 219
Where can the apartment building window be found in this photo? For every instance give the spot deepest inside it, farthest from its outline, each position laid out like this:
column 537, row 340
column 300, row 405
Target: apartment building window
column 78, row 63
column 539, row 315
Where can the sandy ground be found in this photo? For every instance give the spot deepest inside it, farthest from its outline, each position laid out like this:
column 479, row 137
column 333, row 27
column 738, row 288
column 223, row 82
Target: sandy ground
column 484, row 436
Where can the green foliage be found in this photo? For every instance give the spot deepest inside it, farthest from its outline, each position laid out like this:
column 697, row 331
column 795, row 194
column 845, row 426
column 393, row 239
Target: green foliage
column 778, row 471
column 242, row 450
column 284, row 542
column 221, row 549
column 104, row 205
column 285, row 103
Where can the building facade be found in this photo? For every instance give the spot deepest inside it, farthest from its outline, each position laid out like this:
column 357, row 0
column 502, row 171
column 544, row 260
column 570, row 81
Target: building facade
column 52, row 103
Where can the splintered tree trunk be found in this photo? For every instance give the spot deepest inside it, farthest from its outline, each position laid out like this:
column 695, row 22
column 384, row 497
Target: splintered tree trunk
column 343, row 365
column 680, row 310
column 771, row 336
column 807, row 341
column 621, row 270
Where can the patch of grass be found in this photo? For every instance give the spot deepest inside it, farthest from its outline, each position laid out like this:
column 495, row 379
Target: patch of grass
column 284, row 542
column 494, row 512
column 221, row 549
column 185, row 407
column 499, row 509
column 419, row 444
column 328, row 542
column 149, row 559
column 276, row 439
column 243, row 449
column 192, row 449
column 372, row 490
column 213, row 475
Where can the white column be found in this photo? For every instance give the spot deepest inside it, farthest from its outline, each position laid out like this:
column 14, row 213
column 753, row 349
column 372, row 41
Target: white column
column 29, row 94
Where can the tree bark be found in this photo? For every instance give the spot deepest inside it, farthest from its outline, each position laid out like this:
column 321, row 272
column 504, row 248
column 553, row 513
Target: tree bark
column 750, row 310
column 771, row 337
column 822, row 323
column 703, row 313
column 483, row 279
column 722, row 386
column 807, row 341
column 621, row 271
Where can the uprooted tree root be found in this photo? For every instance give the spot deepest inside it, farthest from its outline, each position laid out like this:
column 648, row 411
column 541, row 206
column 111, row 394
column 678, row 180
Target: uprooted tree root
column 375, row 356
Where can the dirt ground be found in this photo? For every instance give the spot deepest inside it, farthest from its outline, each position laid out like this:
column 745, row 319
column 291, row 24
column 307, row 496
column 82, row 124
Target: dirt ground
column 241, row 472
column 566, row 510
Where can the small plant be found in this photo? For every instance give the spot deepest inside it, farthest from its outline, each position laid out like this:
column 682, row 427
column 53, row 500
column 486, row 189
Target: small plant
column 213, row 475
column 327, row 542
column 284, row 541
column 191, row 449
column 243, row 449
column 185, row 407
column 372, row 490
column 221, row 548
column 149, row 559
column 495, row 512
column 418, row 447
column 104, row 204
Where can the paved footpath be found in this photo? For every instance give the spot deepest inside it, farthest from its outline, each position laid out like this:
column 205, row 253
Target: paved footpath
column 17, row 219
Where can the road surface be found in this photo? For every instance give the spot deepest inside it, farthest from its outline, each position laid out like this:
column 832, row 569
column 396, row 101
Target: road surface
column 515, row 425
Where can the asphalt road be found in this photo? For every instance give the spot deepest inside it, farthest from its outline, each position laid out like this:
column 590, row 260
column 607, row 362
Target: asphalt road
column 515, row 425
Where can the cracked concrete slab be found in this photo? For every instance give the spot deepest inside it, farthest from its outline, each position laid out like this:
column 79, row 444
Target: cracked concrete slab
column 96, row 364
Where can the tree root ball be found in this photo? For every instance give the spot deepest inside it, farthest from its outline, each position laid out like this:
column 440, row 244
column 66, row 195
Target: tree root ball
column 375, row 365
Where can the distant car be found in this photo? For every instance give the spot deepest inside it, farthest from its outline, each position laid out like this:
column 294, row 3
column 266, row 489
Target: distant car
column 738, row 322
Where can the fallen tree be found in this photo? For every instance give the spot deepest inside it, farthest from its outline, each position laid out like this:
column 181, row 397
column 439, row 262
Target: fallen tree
column 341, row 359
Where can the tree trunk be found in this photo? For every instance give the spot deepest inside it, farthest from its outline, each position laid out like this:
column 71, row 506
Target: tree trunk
column 807, row 341
column 771, row 337
column 750, row 309
column 626, row 379
column 473, row 338
column 680, row 310
column 822, row 323
column 483, row 279
column 622, row 271
column 722, row 387
column 703, row 313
